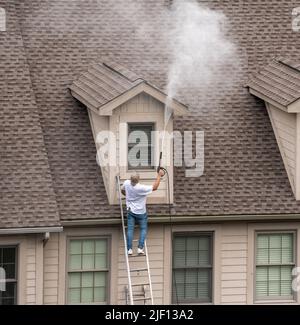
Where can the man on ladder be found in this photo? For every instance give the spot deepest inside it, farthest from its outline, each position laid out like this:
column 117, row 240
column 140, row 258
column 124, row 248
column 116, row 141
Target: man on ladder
column 136, row 195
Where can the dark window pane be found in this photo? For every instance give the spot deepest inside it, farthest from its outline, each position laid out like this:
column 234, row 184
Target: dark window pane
column 8, row 297
column 9, row 255
column 192, row 276
column 10, row 271
column 140, row 150
column 8, row 301
column 8, row 263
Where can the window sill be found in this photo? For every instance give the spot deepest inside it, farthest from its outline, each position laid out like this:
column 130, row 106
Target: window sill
column 193, row 303
column 145, row 174
column 276, row 301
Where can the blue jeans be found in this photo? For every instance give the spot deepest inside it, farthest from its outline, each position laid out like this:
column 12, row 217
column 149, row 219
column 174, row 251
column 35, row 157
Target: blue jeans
column 142, row 220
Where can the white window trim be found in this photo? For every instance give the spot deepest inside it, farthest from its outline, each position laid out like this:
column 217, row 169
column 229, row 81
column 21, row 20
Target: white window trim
column 108, row 239
column 113, row 259
column 158, row 126
column 212, row 250
column 216, row 262
column 20, row 244
column 153, row 148
column 253, row 229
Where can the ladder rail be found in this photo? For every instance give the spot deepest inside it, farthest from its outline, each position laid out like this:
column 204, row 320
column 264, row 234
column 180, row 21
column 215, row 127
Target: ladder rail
column 149, row 275
column 125, row 241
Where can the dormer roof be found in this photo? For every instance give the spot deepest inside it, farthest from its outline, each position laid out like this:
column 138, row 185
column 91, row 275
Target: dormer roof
column 106, row 85
column 279, row 84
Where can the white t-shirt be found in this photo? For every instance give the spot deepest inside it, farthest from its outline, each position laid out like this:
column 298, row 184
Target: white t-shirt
column 136, row 196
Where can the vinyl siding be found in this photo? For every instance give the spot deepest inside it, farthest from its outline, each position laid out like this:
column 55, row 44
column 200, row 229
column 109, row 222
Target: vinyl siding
column 233, row 256
column 31, row 271
column 155, row 244
column 143, row 108
column 51, row 271
column 233, row 263
column 98, row 124
column 284, row 125
column 140, row 108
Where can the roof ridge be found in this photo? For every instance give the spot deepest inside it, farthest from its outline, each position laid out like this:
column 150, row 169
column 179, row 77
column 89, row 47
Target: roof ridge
column 121, row 70
column 288, row 63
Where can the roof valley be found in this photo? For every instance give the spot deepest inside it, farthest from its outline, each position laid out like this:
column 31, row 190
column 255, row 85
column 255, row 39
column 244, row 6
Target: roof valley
column 33, row 202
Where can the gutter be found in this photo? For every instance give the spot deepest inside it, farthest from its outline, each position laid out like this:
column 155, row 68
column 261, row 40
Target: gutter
column 185, row 219
column 36, row 230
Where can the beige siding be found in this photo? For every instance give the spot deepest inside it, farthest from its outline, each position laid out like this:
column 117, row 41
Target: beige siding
column 42, row 272
column 99, row 124
column 141, row 108
column 156, row 258
column 284, row 125
column 31, row 271
column 51, row 251
column 55, row 258
column 29, row 265
column 233, row 263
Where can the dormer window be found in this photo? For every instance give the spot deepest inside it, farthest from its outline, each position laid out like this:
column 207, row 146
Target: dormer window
column 129, row 109
column 140, row 146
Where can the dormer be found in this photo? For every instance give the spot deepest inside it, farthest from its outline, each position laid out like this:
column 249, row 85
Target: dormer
column 278, row 84
column 121, row 106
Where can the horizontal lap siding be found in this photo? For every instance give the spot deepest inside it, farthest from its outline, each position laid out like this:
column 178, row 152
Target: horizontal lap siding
column 286, row 126
column 285, row 132
column 51, row 250
column 30, row 295
column 233, row 264
column 155, row 249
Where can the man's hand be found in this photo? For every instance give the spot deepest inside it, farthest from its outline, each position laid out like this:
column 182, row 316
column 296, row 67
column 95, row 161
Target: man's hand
column 161, row 173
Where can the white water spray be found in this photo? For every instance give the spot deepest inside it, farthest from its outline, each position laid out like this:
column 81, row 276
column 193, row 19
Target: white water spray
column 198, row 49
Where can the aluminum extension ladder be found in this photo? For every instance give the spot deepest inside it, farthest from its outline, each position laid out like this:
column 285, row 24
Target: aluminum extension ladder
column 131, row 295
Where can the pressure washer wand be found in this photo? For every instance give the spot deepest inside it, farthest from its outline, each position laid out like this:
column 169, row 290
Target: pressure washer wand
column 159, row 163
column 159, row 167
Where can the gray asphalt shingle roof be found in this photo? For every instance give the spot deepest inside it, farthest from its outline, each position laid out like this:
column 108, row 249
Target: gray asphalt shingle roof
column 48, row 166
column 27, row 197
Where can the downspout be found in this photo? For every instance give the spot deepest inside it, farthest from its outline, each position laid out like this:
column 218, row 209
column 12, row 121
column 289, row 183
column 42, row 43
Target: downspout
column 46, row 238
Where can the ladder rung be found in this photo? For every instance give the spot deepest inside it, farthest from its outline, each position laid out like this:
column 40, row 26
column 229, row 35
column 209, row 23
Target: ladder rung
column 138, row 294
column 138, row 270
column 145, row 298
column 140, row 284
column 136, row 255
